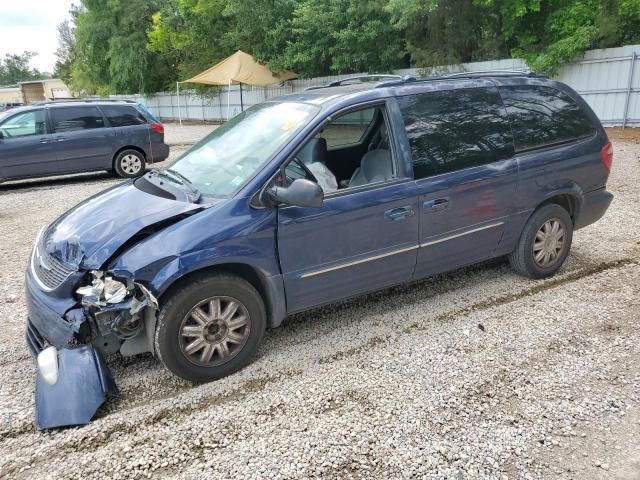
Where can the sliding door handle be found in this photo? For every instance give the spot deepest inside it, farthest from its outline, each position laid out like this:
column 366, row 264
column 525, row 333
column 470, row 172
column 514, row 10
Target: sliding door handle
column 399, row 213
column 437, row 204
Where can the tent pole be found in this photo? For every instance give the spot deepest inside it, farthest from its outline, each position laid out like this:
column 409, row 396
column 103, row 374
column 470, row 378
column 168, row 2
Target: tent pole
column 228, row 98
column 178, row 94
column 241, row 105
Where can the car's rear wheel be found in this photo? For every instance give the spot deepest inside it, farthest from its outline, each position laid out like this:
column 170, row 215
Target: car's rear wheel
column 129, row 163
column 210, row 327
column 544, row 243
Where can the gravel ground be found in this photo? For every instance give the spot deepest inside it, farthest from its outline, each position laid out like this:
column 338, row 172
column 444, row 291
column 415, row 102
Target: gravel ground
column 478, row 373
column 186, row 134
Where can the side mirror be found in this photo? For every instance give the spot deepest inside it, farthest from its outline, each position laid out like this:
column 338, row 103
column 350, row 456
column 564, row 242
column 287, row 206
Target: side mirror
column 301, row 193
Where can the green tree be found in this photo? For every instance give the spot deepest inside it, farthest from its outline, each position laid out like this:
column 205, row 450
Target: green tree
column 190, row 34
column 64, row 53
column 145, row 45
column 447, row 32
column 110, row 54
column 550, row 33
column 261, row 28
column 341, row 36
column 15, row 68
column 309, row 37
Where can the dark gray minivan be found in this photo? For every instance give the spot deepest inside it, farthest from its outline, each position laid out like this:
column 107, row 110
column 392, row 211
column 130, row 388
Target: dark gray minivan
column 57, row 138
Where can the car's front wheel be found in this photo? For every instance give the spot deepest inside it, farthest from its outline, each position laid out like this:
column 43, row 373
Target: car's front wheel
column 129, row 164
column 544, row 243
column 210, row 327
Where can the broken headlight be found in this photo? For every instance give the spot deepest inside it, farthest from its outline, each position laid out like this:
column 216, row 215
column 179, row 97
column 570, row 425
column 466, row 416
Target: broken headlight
column 102, row 291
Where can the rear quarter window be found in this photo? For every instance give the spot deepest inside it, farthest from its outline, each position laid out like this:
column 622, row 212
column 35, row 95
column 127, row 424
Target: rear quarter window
column 543, row 116
column 123, row 116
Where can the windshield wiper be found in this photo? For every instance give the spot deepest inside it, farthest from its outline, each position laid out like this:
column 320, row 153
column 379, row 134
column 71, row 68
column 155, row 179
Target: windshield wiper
column 179, row 175
column 183, row 180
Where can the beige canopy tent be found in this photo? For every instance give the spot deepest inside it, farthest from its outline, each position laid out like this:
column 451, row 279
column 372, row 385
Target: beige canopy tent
column 240, row 68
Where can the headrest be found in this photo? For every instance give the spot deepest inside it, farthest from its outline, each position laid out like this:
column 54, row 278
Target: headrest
column 314, row 151
column 376, row 165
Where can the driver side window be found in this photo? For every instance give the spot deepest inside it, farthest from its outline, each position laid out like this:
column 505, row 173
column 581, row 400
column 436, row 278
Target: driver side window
column 24, row 124
column 352, row 150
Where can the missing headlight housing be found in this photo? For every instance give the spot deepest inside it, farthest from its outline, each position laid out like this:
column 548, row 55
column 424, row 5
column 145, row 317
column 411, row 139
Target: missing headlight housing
column 104, row 290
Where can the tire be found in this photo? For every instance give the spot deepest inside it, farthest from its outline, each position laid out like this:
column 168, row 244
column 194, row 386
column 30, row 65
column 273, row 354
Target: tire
column 190, row 316
column 129, row 163
column 526, row 257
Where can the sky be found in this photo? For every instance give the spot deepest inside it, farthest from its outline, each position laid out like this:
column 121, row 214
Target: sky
column 31, row 25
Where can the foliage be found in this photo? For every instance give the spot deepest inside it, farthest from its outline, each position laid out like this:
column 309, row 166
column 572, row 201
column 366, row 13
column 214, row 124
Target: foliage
column 110, row 52
column 15, row 68
column 340, row 36
column 146, row 45
column 190, row 34
column 66, row 40
column 549, row 33
column 448, row 32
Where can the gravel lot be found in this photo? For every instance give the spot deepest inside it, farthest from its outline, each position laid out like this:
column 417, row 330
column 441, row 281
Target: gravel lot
column 474, row 374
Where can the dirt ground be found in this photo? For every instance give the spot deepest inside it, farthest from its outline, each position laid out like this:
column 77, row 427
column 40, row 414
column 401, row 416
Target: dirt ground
column 624, row 135
column 478, row 373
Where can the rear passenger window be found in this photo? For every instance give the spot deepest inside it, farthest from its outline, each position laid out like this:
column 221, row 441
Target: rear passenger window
column 123, row 116
column 70, row 119
column 542, row 116
column 455, row 129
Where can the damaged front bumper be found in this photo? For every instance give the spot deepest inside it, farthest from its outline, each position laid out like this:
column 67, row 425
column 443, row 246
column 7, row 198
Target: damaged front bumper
column 76, row 338
column 82, row 384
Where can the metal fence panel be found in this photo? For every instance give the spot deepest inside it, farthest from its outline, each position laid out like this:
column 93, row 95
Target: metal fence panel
column 608, row 79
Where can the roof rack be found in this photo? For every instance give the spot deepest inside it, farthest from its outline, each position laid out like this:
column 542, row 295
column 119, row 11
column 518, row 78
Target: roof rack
column 399, row 80
column 83, row 100
column 359, row 78
column 479, row 73
column 337, row 83
column 485, row 73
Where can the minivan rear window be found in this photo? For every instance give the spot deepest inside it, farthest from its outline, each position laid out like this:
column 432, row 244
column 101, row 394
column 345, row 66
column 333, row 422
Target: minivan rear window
column 543, row 116
column 122, row 115
column 450, row 130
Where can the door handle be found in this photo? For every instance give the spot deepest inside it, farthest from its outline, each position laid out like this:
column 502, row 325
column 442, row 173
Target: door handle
column 437, row 204
column 399, row 213
column 60, row 139
column 44, row 140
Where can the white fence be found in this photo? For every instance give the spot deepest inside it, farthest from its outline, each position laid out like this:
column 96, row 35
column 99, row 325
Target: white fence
column 608, row 79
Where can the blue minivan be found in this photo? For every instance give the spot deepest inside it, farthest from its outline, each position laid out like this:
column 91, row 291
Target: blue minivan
column 64, row 137
column 301, row 201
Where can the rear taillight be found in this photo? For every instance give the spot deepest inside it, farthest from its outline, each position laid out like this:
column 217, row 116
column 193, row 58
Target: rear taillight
column 606, row 156
column 157, row 127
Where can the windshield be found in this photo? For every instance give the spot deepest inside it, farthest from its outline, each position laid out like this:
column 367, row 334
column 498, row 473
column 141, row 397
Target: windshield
column 229, row 156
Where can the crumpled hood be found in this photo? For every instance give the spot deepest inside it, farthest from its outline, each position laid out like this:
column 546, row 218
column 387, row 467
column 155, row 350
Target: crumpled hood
column 89, row 234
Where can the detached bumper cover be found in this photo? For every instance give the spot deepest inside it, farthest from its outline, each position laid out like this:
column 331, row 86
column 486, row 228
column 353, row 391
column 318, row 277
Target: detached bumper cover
column 84, row 383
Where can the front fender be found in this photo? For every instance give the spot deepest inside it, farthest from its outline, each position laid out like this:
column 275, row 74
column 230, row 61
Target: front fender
column 233, row 233
column 272, row 285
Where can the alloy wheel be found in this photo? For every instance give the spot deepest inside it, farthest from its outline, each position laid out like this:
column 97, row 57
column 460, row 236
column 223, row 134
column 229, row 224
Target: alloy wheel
column 214, row 331
column 549, row 243
column 131, row 164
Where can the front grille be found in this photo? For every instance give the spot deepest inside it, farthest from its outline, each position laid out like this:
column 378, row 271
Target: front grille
column 35, row 341
column 49, row 271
